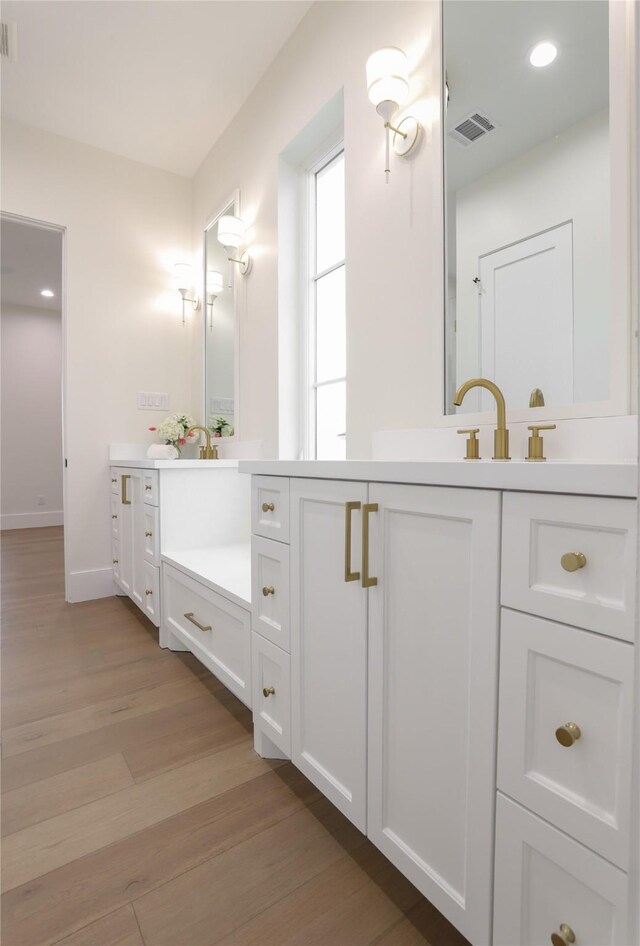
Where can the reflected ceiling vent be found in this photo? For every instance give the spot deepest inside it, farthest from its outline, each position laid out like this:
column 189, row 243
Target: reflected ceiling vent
column 475, row 126
column 9, row 40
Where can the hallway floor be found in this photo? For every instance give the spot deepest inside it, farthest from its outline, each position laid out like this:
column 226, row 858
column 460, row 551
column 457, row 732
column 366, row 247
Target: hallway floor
column 134, row 809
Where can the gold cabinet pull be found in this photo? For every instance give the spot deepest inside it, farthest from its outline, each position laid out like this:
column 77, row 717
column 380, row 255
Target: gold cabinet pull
column 268, row 590
column 568, row 734
column 572, row 561
column 147, row 487
column 148, row 591
column 115, row 561
column 125, row 478
column 564, row 937
column 348, row 510
column 268, row 691
column 268, row 507
column 114, row 479
column 201, row 627
column 148, row 535
column 368, row 581
column 114, row 516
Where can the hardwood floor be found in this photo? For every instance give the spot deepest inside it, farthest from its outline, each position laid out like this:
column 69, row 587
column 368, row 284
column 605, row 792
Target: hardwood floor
column 134, row 810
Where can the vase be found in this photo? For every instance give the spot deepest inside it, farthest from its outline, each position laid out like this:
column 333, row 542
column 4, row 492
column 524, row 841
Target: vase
column 162, row 451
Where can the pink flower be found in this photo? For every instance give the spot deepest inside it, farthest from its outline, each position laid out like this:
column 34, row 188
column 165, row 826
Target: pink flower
column 182, row 441
column 153, row 428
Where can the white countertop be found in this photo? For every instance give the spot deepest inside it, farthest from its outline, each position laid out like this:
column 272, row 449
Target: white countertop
column 225, row 569
column 146, row 464
column 607, row 478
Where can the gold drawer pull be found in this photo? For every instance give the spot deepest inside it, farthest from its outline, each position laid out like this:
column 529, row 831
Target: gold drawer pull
column 572, row 561
column 115, row 561
column 564, row 937
column 114, row 479
column 114, row 516
column 268, row 507
column 147, row 487
column 568, row 734
column 268, row 691
column 349, row 508
column 148, row 591
column 201, row 627
column 268, row 590
column 148, row 535
column 368, row 581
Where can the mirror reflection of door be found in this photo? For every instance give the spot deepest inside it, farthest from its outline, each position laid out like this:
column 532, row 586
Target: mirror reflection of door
column 528, row 205
column 220, row 332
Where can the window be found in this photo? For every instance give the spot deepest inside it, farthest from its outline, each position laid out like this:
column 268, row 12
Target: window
column 326, row 342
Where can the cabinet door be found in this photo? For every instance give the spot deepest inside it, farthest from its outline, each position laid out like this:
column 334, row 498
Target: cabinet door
column 433, row 643
column 124, row 511
column 328, row 644
column 137, row 542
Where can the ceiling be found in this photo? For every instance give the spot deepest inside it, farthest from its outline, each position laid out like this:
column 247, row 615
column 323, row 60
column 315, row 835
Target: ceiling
column 31, row 260
column 154, row 81
column 487, row 63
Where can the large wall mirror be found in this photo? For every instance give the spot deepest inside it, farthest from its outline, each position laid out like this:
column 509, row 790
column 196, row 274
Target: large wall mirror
column 528, row 202
column 220, row 330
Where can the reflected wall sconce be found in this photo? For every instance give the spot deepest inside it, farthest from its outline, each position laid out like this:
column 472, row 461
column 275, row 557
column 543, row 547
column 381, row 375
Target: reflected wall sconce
column 215, row 285
column 388, row 88
column 183, row 278
column 232, row 234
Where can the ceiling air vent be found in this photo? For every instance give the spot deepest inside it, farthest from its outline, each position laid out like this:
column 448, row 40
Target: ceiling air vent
column 472, row 128
column 9, row 40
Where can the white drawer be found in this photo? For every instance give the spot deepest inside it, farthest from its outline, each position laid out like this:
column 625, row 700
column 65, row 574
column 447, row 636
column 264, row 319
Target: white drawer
column 151, row 602
column 551, row 675
column 539, row 529
column 115, row 481
column 115, row 559
column 150, row 538
column 544, row 879
column 216, row 631
column 115, row 517
column 270, row 591
column 271, row 692
column 150, row 490
column 270, row 507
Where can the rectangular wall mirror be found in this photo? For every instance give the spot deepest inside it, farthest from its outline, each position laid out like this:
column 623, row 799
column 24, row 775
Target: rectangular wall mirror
column 220, row 330
column 528, row 202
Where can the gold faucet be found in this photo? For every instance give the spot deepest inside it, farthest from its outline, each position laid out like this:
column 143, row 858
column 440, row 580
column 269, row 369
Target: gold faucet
column 208, row 452
column 501, row 434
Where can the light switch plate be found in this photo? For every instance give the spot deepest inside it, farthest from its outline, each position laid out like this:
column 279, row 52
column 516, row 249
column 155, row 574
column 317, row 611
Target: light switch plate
column 152, row 401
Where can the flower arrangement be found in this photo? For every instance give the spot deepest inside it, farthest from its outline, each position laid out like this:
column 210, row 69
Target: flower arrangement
column 220, row 427
column 173, row 430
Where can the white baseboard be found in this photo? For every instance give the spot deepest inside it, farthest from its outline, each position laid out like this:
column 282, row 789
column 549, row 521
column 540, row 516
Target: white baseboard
column 85, row 586
column 30, row 520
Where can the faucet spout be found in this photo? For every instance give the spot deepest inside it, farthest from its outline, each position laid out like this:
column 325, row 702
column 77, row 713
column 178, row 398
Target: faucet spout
column 501, row 434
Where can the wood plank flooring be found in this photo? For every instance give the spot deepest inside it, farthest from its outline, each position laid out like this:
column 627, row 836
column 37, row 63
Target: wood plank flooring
column 134, row 810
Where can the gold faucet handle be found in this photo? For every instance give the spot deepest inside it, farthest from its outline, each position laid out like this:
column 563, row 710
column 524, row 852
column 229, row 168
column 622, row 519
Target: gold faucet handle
column 536, row 442
column 473, row 447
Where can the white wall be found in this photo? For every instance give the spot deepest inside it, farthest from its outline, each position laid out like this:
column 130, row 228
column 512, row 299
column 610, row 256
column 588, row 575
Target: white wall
column 394, row 232
column 565, row 178
column 126, row 224
column 31, row 399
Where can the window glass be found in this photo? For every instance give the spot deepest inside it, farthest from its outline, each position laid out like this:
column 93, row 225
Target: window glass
column 330, row 214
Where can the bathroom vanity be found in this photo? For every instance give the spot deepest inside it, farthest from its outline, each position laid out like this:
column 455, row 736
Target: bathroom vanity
column 446, row 651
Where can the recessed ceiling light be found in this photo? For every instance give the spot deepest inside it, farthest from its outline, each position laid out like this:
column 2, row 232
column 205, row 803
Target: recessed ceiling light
column 543, row 54
column 47, row 293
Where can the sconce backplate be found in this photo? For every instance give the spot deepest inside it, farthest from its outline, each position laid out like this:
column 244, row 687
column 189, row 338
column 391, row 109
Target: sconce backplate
column 403, row 146
column 245, row 263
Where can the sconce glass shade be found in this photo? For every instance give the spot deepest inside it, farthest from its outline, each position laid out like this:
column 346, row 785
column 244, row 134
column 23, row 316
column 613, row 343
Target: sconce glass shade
column 182, row 276
column 388, row 76
column 231, row 230
column 215, row 282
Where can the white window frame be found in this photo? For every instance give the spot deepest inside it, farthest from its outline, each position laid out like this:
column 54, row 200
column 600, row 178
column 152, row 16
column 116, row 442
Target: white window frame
column 310, row 277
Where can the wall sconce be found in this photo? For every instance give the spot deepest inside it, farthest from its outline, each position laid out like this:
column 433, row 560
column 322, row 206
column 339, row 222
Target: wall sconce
column 215, row 285
column 388, row 88
column 183, row 278
column 232, row 233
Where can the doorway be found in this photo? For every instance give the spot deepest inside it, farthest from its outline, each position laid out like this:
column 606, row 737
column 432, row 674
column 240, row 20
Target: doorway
column 32, row 379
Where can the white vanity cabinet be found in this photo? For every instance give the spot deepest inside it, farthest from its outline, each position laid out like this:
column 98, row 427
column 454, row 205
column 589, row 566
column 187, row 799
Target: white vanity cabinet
column 135, row 537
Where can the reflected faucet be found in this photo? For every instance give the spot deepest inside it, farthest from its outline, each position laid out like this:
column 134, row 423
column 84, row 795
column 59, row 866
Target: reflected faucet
column 207, row 452
column 501, row 434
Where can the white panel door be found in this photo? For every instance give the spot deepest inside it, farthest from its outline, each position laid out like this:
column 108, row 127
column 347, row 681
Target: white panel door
column 433, row 661
column 328, row 644
column 526, row 318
